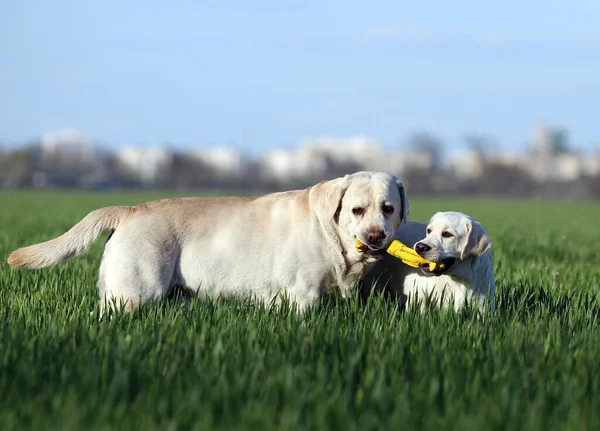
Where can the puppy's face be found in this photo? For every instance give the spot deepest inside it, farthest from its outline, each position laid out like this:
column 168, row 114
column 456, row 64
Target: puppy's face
column 371, row 210
column 452, row 237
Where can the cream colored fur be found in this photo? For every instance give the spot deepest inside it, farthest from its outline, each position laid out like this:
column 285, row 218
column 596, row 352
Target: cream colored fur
column 470, row 278
column 298, row 243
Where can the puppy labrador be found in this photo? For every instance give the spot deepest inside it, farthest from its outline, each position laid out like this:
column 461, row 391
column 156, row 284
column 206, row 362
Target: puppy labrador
column 453, row 238
column 297, row 244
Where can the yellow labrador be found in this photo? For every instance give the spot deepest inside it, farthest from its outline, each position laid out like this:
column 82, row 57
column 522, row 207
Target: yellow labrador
column 454, row 238
column 299, row 243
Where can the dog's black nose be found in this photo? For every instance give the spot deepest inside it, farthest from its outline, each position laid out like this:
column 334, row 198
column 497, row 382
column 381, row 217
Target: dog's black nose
column 421, row 248
column 375, row 236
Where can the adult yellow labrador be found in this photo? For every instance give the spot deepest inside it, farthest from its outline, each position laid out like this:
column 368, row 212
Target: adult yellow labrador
column 300, row 243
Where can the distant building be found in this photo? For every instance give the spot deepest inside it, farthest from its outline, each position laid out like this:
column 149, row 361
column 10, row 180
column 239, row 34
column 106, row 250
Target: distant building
column 226, row 161
column 68, row 150
column 145, row 163
column 466, row 166
column 548, row 146
column 324, row 156
column 567, row 167
column 64, row 158
column 327, row 156
column 287, row 165
column 512, row 160
column 352, row 151
column 591, row 165
column 549, row 140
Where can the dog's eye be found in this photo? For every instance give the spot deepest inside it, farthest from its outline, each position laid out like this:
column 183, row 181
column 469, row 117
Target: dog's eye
column 387, row 209
column 358, row 211
column 428, row 231
column 447, row 234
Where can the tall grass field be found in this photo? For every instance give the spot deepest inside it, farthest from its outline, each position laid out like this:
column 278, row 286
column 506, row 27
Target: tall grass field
column 346, row 365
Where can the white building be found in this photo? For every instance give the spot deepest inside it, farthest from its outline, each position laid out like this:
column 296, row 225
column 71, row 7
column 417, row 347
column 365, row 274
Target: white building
column 357, row 150
column 549, row 158
column 290, row 164
column 567, row 167
column 548, row 140
column 226, row 161
column 590, row 164
column 68, row 149
column 145, row 163
column 315, row 156
column 468, row 165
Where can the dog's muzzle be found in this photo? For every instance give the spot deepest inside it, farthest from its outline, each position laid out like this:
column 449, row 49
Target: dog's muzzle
column 369, row 250
column 446, row 267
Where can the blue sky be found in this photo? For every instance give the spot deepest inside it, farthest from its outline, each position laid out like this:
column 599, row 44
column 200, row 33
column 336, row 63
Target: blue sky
column 266, row 73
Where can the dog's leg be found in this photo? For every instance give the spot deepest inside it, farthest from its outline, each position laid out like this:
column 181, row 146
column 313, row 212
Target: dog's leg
column 300, row 296
column 134, row 272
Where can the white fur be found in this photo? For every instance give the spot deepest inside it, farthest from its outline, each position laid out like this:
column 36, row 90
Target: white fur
column 470, row 278
column 299, row 243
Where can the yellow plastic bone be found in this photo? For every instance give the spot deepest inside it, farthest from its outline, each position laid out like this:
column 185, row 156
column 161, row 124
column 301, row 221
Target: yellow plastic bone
column 405, row 254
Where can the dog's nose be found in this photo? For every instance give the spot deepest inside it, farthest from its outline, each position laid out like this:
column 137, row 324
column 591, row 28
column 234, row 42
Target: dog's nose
column 375, row 236
column 421, row 248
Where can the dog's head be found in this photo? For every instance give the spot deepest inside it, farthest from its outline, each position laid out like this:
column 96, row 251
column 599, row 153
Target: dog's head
column 368, row 206
column 452, row 237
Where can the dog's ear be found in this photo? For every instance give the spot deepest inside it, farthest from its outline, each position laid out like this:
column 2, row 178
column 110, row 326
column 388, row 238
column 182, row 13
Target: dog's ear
column 403, row 200
column 477, row 242
column 325, row 198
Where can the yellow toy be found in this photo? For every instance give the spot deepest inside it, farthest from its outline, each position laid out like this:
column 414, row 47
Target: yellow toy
column 405, row 254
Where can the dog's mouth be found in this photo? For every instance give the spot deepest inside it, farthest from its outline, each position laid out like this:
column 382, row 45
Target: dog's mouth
column 369, row 250
column 448, row 262
column 374, row 251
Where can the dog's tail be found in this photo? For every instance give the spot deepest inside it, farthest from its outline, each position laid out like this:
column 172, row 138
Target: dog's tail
column 73, row 242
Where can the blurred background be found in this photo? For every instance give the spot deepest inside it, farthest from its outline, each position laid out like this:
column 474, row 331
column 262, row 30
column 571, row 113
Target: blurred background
column 462, row 97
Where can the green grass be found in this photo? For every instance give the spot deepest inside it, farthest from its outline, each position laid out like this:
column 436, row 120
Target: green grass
column 533, row 365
